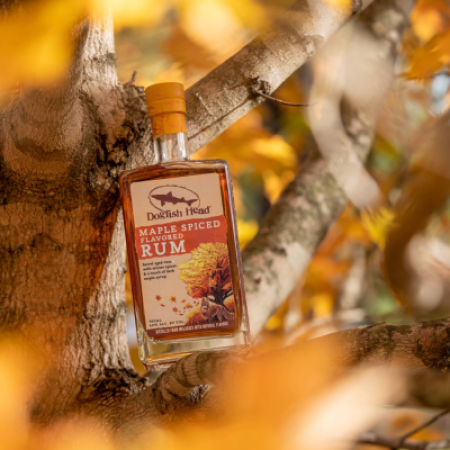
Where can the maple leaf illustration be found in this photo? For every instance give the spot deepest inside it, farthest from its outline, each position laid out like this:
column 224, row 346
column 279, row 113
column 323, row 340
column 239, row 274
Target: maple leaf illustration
column 158, row 297
column 162, row 304
column 172, row 298
column 175, row 309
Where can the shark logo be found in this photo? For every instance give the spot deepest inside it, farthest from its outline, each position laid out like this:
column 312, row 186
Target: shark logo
column 169, row 198
column 172, row 195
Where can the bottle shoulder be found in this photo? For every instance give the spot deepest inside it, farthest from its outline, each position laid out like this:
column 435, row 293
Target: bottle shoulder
column 175, row 169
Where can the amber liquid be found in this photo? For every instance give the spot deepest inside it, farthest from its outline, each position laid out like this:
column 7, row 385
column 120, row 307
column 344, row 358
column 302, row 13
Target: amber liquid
column 176, row 170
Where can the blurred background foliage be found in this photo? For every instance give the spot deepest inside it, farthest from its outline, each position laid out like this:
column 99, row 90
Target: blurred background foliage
column 344, row 286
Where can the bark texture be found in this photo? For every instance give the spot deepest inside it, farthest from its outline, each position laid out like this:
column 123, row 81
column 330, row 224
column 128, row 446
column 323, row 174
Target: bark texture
column 62, row 251
column 226, row 94
column 62, row 241
column 418, row 346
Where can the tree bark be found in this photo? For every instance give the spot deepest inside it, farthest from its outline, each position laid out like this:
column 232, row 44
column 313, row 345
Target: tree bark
column 62, row 241
column 417, row 348
column 62, row 250
column 226, row 94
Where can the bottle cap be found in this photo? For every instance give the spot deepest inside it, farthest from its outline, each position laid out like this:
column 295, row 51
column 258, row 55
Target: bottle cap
column 166, row 108
column 165, row 98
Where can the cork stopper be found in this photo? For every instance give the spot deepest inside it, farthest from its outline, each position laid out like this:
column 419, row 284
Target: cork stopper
column 166, row 108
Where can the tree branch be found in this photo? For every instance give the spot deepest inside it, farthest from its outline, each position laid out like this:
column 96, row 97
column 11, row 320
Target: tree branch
column 421, row 347
column 416, row 346
column 296, row 225
column 288, row 238
column 226, row 94
column 182, row 386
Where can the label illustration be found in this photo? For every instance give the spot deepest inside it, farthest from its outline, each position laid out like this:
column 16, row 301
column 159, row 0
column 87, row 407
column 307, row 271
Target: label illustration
column 181, row 245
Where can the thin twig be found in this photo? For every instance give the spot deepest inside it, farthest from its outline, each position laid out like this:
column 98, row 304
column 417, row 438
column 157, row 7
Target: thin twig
column 132, row 80
column 403, row 442
column 394, row 443
column 282, row 102
column 424, row 425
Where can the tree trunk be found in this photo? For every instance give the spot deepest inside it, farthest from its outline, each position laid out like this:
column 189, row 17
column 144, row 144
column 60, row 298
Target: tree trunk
column 62, row 240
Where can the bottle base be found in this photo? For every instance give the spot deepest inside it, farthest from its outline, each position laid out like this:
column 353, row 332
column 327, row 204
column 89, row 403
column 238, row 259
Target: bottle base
column 158, row 355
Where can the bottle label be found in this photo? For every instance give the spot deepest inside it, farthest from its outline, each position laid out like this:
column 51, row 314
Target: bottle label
column 182, row 252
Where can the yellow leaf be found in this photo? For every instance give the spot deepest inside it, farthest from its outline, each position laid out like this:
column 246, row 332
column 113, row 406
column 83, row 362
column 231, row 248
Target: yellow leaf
column 274, row 184
column 246, row 231
column 342, row 5
column 136, row 12
column 201, row 19
column 220, row 25
column 377, row 224
column 39, row 46
column 432, row 57
column 276, row 321
column 428, row 18
column 276, row 148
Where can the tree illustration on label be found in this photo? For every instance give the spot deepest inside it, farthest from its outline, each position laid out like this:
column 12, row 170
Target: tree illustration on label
column 207, row 273
column 208, row 277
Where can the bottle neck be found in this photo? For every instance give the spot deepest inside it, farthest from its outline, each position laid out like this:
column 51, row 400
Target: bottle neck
column 171, row 147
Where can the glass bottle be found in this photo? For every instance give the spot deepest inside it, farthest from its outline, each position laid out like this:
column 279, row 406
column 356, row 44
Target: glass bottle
column 183, row 251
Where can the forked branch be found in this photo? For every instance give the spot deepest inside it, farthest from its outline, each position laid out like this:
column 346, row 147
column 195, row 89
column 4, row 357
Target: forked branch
column 298, row 222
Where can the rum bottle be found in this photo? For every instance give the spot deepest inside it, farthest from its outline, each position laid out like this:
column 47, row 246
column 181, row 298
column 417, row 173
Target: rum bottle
column 183, row 252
